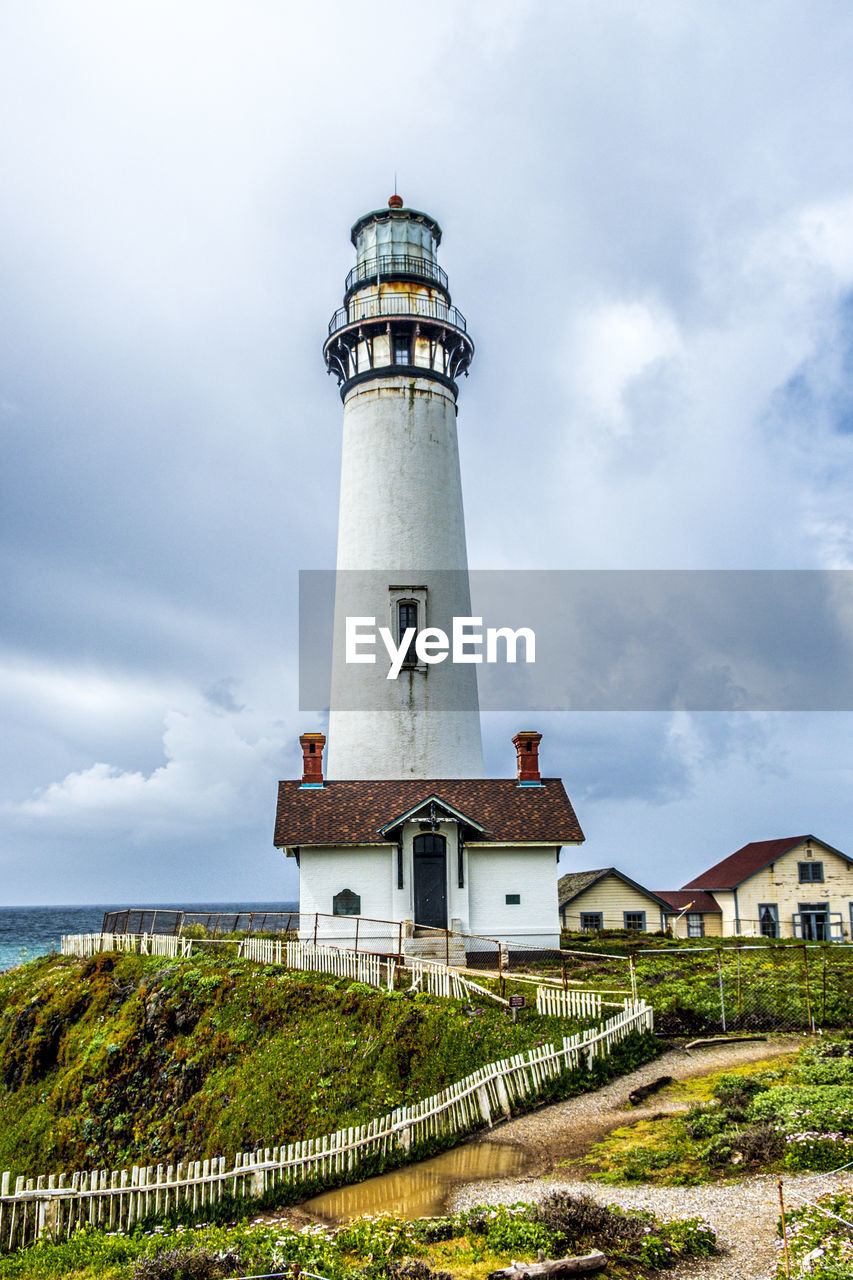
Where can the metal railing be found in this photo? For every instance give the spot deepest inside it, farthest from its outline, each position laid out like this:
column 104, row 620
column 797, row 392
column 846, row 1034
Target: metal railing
column 396, row 264
column 176, row 920
column 396, row 304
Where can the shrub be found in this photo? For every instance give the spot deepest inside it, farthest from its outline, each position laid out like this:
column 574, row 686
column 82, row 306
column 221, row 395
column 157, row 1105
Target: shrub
column 827, row 1071
column 705, row 1122
column 756, row 1145
column 818, row 1151
column 188, row 1264
column 513, row 1229
column 826, row 1108
column 415, row 1269
column 735, row 1094
column 577, row 1219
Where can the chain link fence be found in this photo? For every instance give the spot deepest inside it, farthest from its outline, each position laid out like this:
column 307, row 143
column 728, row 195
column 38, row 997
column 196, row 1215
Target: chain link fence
column 694, row 990
column 747, row 988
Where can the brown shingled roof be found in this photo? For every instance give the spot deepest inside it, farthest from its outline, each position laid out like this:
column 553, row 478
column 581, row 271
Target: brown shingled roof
column 698, row 900
column 354, row 812
column 745, row 862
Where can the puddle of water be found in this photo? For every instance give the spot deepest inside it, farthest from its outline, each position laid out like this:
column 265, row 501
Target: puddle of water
column 421, row 1190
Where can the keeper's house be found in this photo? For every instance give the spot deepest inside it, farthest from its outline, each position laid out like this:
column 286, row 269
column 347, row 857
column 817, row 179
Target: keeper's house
column 475, row 855
column 606, row 898
column 592, row 901
column 797, row 887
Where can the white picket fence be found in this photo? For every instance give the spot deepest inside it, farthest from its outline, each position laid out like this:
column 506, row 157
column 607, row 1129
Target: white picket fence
column 57, row 1205
column 427, row 975
column 553, row 1002
column 357, row 965
column 445, row 981
column 145, row 944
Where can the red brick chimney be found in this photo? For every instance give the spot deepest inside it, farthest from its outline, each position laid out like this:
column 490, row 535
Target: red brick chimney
column 527, row 749
column 312, row 745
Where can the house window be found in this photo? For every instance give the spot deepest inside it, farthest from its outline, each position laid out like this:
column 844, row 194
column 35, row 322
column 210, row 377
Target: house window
column 513, row 899
column 591, row 921
column 407, row 616
column 768, row 919
column 635, row 921
column 695, row 924
column 810, row 872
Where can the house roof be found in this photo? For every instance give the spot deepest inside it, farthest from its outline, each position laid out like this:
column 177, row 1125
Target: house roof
column 698, row 900
column 359, row 812
column 574, row 883
column 749, row 860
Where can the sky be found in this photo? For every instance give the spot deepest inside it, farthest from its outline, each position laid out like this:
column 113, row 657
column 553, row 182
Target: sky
column 648, row 223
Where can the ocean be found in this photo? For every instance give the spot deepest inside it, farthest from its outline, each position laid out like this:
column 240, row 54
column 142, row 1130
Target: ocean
column 26, row 932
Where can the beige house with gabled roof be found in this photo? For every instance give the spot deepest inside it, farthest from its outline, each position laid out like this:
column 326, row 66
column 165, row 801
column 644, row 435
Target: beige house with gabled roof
column 590, row 901
column 795, row 887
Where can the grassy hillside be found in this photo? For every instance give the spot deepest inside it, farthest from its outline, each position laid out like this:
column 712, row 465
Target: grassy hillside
column 124, row 1058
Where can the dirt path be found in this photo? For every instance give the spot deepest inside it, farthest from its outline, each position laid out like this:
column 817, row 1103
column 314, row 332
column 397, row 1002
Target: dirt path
column 744, row 1214
column 564, row 1132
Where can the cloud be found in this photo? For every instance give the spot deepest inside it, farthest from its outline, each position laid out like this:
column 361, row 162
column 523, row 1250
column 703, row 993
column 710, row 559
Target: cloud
column 217, row 770
column 612, row 346
column 647, row 217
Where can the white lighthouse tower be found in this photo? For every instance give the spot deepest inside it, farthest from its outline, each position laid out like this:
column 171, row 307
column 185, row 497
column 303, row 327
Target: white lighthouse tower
column 401, row 836
column 398, row 347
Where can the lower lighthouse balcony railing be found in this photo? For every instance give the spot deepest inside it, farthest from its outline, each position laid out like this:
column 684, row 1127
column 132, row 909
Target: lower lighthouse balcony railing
column 396, row 305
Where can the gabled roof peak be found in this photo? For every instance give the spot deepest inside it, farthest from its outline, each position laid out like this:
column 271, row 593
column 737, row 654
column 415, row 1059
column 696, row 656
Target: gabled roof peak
column 750, row 859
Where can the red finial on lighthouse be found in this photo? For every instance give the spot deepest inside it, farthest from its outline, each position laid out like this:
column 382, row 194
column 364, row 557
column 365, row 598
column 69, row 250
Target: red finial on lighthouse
column 395, row 202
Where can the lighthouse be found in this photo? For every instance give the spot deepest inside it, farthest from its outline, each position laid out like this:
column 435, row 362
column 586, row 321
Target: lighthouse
column 398, row 347
column 398, row 836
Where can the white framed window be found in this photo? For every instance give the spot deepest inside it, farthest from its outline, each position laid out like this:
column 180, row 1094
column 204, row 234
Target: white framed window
column 768, row 919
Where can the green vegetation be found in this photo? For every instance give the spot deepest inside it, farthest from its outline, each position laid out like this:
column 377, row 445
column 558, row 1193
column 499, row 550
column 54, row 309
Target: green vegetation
column 467, row 1246
column 785, row 1114
column 820, row 1246
column 125, row 1058
column 685, row 1149
column 709, row 984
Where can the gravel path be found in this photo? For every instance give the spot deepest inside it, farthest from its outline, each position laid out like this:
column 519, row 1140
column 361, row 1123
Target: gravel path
column 744, row 1214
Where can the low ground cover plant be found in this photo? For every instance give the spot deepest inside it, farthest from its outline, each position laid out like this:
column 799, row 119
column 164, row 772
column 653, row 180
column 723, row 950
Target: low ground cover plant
column 466, row 1246
column 820, row 1240
column 783, row 1114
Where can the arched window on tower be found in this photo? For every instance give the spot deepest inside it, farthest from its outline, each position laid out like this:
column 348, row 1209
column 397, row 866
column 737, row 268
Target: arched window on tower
column 407, row 616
